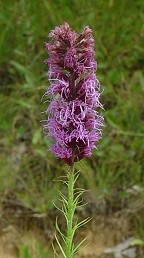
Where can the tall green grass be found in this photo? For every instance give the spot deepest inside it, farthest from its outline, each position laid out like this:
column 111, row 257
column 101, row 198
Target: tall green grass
column 118, row 165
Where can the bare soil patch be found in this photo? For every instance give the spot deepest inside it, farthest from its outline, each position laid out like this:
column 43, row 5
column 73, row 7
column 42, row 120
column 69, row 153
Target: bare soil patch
column 102, row 233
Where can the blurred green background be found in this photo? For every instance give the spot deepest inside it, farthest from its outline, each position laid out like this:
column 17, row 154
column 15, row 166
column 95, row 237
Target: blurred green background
column 115, row 173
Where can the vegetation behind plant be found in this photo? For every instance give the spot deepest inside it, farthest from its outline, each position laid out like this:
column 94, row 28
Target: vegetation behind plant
column 115, row 173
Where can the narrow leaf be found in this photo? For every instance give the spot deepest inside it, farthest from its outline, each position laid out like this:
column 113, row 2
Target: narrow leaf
column 64, row 255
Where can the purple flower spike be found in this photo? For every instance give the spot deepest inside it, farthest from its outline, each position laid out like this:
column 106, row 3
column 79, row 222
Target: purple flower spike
column 73, row 122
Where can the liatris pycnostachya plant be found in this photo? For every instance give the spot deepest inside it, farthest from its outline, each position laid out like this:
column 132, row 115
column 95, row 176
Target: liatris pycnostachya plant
column 73, row 122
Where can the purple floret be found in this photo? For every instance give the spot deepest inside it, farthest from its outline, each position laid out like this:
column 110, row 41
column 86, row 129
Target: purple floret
column 73, row 122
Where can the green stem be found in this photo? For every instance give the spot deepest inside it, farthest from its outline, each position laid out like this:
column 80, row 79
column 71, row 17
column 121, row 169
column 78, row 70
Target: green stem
column 71, row 210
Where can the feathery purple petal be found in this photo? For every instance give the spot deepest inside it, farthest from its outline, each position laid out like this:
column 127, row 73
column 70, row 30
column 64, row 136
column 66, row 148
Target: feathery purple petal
column 73, row 122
